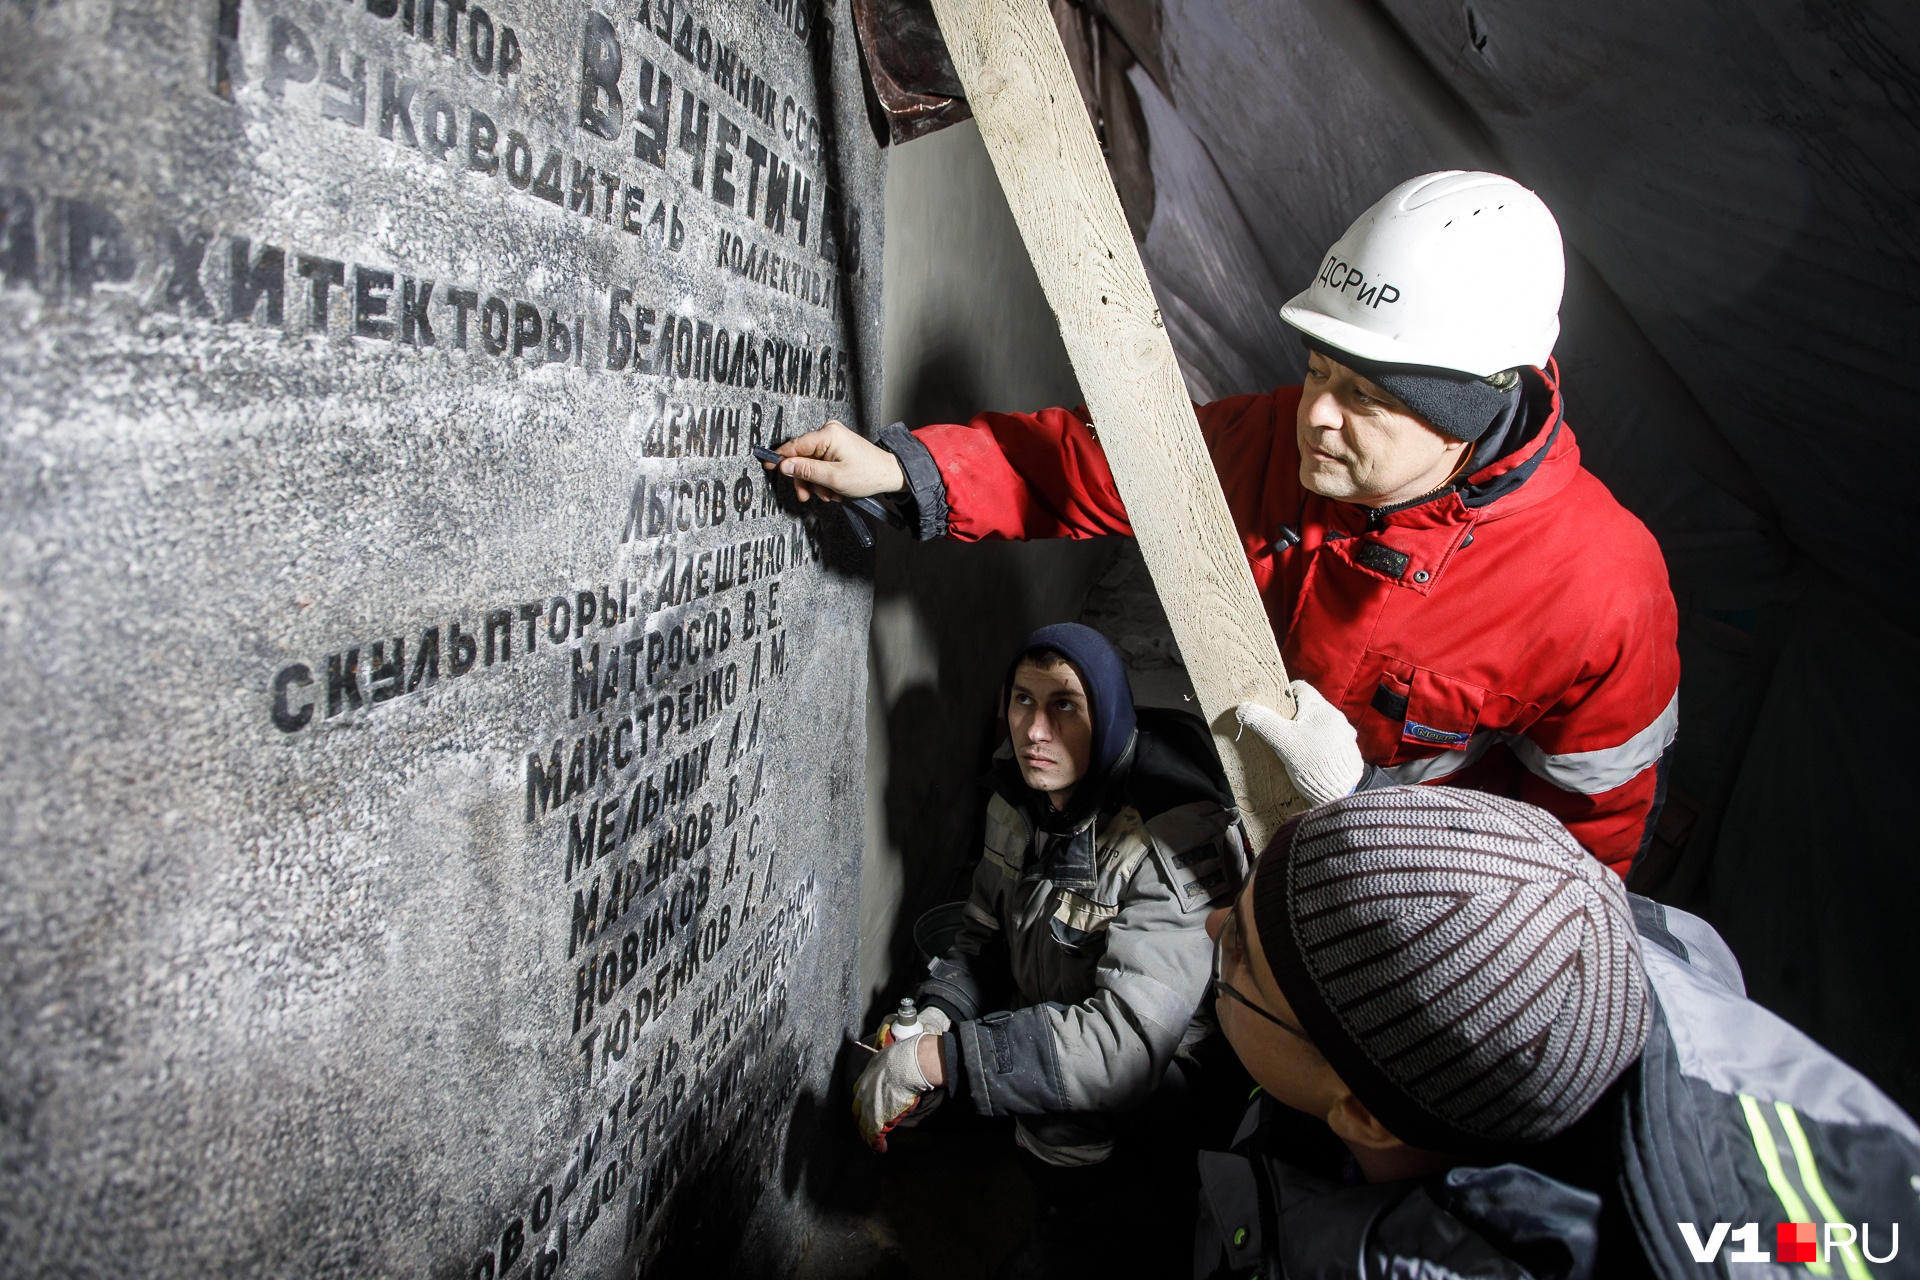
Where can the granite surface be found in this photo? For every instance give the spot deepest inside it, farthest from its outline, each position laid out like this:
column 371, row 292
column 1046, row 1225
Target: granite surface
column 433, row 781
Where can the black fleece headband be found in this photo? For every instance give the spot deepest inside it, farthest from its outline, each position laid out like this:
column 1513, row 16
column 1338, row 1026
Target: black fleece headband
column 1455, row 404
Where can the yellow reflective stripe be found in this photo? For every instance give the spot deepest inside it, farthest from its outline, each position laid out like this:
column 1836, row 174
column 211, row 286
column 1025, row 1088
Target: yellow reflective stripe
column 1769, row 1152
column 1810, row 1178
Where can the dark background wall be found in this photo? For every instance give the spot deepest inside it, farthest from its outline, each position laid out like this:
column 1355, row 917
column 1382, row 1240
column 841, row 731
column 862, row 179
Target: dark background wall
column 967, row 329
column 1736, row 187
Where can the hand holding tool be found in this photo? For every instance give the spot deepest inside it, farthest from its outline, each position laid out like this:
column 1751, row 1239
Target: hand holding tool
column 888, row 1089
column 866, row 505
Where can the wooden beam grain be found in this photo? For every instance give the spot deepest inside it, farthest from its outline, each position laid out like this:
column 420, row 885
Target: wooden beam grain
column 1010, row 60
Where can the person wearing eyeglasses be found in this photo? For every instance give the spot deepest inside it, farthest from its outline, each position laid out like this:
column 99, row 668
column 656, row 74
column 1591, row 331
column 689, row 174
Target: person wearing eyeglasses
column 1479, row 1056
column 1074, row 993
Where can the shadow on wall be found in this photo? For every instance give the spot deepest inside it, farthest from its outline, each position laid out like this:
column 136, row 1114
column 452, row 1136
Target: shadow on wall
column 946, row 617
column 1813, row 878
column 967, row 329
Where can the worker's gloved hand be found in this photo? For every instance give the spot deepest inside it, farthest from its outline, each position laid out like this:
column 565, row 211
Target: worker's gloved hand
column 933, row 1021
column 890, row 1087
column 835, row 462
column 1319, row 748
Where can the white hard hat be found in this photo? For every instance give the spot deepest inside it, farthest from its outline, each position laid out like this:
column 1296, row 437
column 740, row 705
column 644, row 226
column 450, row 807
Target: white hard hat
column 1452, row 270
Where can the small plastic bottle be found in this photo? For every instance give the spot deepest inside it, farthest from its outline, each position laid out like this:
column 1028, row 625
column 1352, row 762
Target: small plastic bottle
column 904, row 1022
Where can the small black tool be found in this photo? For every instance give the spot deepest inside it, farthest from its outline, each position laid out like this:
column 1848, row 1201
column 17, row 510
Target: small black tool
column 865, row 505
column 861, row 533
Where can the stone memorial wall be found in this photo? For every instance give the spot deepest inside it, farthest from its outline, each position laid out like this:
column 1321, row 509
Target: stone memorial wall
column 434, row 752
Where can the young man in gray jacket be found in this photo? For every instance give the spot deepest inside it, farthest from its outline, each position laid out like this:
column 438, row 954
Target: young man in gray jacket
column 1081, row 969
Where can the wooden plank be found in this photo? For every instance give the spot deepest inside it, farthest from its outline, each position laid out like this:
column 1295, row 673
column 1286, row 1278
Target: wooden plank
column 1010, row 60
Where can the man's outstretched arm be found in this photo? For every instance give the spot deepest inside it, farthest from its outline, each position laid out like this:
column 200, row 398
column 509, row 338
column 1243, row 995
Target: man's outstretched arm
column 1001, row 475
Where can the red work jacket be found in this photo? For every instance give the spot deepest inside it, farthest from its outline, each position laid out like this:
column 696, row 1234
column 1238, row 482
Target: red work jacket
column 1525, row 646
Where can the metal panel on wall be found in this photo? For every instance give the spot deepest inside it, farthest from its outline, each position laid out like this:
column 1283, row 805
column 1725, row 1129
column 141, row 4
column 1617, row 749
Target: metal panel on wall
column 434, row 750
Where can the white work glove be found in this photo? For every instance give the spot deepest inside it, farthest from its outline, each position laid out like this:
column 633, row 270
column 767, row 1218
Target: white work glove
column 888, row 1089
column 1319, row 748
column 934, row 1021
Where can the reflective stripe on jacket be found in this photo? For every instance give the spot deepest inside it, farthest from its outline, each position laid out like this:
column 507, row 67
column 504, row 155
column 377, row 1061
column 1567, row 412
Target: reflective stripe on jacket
column 1518, row 637
column 1734, row 1115
column 1730, row 1117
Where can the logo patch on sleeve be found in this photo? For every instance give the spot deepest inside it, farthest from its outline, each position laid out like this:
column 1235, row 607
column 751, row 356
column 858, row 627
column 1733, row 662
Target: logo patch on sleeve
column 1432, row 737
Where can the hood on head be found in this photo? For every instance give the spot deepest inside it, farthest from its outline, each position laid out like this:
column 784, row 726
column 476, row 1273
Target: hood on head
column 1153, row 760
column 1109, row 707
column 1109, row 695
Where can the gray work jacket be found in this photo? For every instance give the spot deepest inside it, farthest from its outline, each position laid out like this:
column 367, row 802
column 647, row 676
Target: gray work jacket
column 1107, row 981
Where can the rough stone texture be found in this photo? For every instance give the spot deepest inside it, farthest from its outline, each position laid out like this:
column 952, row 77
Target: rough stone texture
column 293, row 920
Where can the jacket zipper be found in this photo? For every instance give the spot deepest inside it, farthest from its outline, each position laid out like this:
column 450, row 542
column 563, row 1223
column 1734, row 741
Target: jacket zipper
column 1377, row 516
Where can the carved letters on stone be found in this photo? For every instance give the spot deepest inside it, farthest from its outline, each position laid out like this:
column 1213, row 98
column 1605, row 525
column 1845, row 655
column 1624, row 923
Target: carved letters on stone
column 434, row 745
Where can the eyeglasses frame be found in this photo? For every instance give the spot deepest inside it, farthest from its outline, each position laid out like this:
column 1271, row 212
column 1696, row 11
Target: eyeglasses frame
column 1222, row 988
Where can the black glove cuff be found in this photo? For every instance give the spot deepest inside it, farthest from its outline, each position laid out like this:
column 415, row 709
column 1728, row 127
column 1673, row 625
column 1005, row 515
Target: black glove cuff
column 926, row 491
column 956, row 1085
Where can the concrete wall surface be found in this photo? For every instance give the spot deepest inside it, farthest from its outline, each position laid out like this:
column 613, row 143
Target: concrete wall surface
column 433, row 748
column 967, row 329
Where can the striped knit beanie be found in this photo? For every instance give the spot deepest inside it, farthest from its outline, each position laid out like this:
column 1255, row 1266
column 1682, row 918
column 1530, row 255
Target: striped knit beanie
column 1472, row 974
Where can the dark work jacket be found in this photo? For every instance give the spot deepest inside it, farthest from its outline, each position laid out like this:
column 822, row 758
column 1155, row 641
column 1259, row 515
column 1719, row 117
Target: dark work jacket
column 1263, row 1214
column 1730, row 1116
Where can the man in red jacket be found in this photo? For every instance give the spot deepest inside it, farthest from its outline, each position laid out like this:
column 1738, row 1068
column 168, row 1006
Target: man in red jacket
column 1461, row 601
